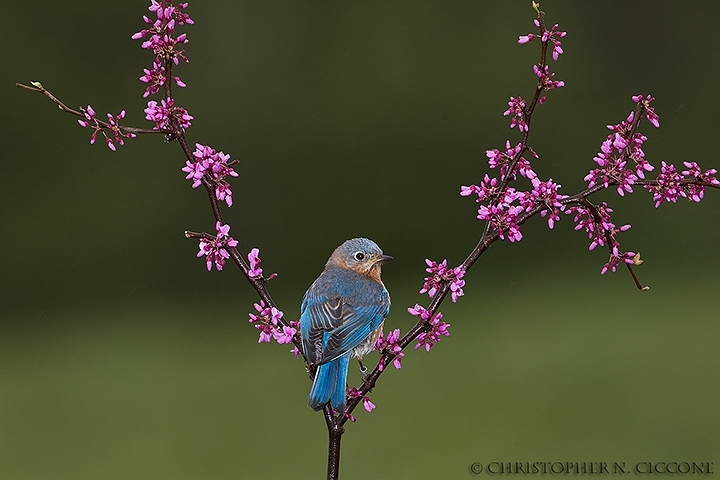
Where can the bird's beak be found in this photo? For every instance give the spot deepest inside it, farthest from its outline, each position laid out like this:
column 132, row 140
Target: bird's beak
column 385, row 258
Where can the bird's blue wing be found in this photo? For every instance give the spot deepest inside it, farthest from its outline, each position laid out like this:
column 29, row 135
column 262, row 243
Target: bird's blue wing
column 339, row 311
column 318, row 315
column 359, row 323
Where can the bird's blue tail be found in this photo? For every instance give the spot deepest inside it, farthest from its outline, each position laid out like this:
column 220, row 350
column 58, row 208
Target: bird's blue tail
column 329, row 384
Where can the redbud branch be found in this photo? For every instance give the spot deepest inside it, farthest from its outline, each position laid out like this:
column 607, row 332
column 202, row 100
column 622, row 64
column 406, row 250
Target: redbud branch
column 530, row 109
column 37, row 87
column 423, row 325
column 610, row 239
column 527, row 117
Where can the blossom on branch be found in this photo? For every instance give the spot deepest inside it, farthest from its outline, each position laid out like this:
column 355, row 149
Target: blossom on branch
column 367, row 404
column 696, row 192
column 546, row 80
column 217, row 168
column 503, row 219
column 650, row 114
column 440, row 274
column 436, row 327
column 112, row 125
column 254, row 260
column 160, row 32
column 545, row 194
column 496, row 159
column 390, row 345
column 517, row 110
column 267, row 320
column 669, row 185
column 163, row 112
column 545, row 36
column 215, row 249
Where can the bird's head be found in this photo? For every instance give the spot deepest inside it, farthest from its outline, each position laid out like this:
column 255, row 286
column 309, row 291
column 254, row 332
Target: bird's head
column 360, row 255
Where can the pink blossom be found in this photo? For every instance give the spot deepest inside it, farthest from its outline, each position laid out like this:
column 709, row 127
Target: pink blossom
column 437, row 330
column 267, row 320
column 694, row 191
column 216, row 165
column 113, row 126
column 367, row 404
column 195, row 172
column 390, row 344
column 284, row 334
column 517, row 110
column 496, row 159
column 215, row 249
column 522, row 39
column 669, row 185
column 650, row 114
column 597, row 229
column 545, row 194
column 163, row 112
column 503, row 219
column 613, row 169
column 616, row 258
column 546, row 35
column 546, row 80
column 440, row 273
column 254, row 260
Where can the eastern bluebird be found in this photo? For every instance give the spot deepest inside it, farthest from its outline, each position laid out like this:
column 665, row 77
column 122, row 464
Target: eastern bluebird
column 342, row 316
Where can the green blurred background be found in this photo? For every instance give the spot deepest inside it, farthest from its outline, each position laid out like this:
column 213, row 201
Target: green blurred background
column 122, row 357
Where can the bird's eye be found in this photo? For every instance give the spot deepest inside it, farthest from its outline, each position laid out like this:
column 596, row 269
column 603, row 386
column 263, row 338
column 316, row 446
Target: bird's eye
column 359, row 256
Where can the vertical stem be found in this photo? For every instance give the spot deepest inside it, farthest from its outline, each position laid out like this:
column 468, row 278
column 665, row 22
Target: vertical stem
column 335, row 431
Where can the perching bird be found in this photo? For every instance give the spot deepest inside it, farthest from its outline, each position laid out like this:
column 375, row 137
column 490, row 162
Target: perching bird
column 342, row 316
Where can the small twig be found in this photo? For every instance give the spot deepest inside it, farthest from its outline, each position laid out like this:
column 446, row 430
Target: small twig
column 37, row 87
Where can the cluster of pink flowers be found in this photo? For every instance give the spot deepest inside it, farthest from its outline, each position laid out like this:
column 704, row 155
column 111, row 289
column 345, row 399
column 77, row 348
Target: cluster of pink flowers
column 621, row 163
column 215, row 249
column 598, row 225
column 543, row 71
column 694, row 191
column 618, row 149
column 546, row 80
column 165, row 112
column 496, row 159
column 503, row 205
column 162, row 42
column 504, row 218
column 650, row 114
column 267, row 320
column 671, row 184
column 389, row 343
column 545, row 194
column 166, row 47
column 545, row 36
column 516, row 108
column 113, row 126
column 438, row 328
column 213, row 164
column 440, row 273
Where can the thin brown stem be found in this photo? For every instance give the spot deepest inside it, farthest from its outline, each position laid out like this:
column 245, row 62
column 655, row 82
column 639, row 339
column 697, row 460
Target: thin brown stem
column 37, row 87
